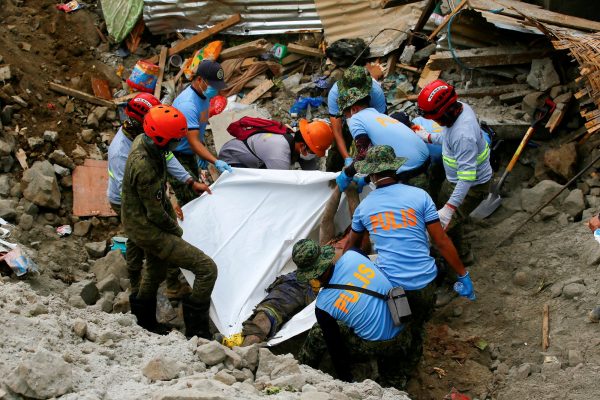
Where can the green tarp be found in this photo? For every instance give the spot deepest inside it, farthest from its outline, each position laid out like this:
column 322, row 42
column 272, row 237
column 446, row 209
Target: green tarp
column 121, row 16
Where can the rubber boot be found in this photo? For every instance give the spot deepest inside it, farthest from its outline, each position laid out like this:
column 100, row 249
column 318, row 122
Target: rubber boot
column 262, row 325
column 196, row 318
column 145, row 312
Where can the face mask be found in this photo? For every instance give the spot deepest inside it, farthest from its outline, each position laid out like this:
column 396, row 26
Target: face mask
column 308, row 156
column 210, row 92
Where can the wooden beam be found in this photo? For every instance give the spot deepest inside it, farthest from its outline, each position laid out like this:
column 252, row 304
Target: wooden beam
column 78, row 94
column 427, row 11
column 546, row 327
column 292, row 58
column 408, row 67
column 492, row 90
column 161, row 71
column 390, row 67
column 486, row 56
column 258, row 91
column 205, row 34
column 427, row 76
column 447, row 19
column 249, row 49
column 307, row 51
column 514, row 97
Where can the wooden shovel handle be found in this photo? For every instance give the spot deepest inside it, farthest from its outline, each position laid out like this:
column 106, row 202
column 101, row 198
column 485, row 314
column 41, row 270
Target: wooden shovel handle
column 517, row 154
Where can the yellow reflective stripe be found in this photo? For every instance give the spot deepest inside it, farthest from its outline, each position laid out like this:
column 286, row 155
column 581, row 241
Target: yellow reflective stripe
column 483, row 155
column 169, row 155
column 111, row 174
column 466, row 175
column 451, row 162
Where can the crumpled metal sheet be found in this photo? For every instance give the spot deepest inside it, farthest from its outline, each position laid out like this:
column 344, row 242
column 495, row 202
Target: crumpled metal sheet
column 259, row 17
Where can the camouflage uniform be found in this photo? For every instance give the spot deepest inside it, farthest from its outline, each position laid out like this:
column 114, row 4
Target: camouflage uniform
column 184, row 192
column 150, row 222
column 286, row 297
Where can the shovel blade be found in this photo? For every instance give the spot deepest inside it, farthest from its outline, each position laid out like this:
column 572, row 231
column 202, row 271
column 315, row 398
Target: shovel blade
column 487, row 207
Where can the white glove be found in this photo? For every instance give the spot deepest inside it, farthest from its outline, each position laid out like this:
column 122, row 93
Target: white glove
column 422, row 133
column 446, row 214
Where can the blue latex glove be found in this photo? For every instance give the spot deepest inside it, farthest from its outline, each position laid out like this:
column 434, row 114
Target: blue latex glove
column 343, row 181
column 360, row 182
column 348, row 161
column 222, row 166
column 464, row 287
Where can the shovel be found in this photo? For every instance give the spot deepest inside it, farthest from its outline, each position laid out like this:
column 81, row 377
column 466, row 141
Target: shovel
column 493, row 201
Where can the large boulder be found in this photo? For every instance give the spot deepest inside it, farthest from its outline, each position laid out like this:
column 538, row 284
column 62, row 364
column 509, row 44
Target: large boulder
column 39, row 185
column 563, row 160
column 534, row 197
column 42, row 376
column 112, row 263
column 574, row 204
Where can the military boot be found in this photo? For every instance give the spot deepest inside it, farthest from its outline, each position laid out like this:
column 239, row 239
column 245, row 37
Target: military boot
column 261, row 325
column 196, row 318
column 145, row 312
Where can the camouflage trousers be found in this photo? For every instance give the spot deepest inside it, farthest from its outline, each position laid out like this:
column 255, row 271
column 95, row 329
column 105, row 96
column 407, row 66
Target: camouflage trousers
column 183, row 192
column 455, row 230
column 286, row 297
column 183, row 255
column 335, row 161
column 134, row 256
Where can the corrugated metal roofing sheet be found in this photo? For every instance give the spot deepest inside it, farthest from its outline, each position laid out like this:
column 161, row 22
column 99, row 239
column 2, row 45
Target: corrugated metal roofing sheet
column 259, row 17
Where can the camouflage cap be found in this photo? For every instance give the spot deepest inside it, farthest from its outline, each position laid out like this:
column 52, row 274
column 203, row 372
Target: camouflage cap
column 379, row 158
column 312, row 260
column 357, row 77
column 347, row 97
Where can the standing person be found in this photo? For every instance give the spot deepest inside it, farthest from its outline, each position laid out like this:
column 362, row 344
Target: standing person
column 194, row 102
column 275, row 151
column 351, row 324
column 118, row 151
column 465, row 154
column 355, row 76
column 150, row 222
column 369, row 127
column 398, row 218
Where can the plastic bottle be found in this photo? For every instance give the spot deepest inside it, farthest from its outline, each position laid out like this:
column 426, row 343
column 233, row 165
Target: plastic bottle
column 597, row 235
column 460, row 289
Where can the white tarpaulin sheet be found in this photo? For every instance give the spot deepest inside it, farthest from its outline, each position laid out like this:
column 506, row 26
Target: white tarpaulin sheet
column 249, row 226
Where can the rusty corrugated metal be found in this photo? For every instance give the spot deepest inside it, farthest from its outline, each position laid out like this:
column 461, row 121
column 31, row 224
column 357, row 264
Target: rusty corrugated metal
column 259, row 17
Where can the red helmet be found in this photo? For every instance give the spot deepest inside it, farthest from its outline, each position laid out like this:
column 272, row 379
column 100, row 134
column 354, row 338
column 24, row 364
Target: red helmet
column 435, row 98
column 165, row 123
column 139, row 106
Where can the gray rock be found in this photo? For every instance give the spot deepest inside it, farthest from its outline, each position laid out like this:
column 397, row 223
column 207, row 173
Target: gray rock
column 81, row 228
column 556, row 289
column 593, row 253
column 85, row 289
column 531, row 101
column 546, row 213
column 532, row 198
column 121, row 303
column 59, row 157
column 92, row 121
column 521, row 278
column 225, row 377
column 112, row 263
column 35, row 142
column 574, row 204
column 573, row 290
column 575, row 358
column 39, row 185
column 162, row 368
column 88, row 135
column 79, row 152
column 5, row 185
column 211, row 353
column 593, row 201
column 542, row 75
column 242, row 375
column 109, row 284
column 523, row 371
column 38, row 309
column 189, row 394
column 7, row 210
column 77, row 302
column 50, row 136
column 594, row 315
column 249, row 356
column 315, row 396
column 60, row 170
column 295, row 381
column 41, row 376
column 26, row 222
column 233, row 360
column 96, row 249
column 551, row 365
column 100, row 113
column 80, row 327
column 276, row 366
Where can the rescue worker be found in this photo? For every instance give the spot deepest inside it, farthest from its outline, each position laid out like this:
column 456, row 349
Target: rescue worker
column 150, row 222
column 194, row 102
column 398, row 218
column 280, row 151
column 369, row 128
column 355, row 76
column 351, row 325
column 465, row 154
column 118, row 151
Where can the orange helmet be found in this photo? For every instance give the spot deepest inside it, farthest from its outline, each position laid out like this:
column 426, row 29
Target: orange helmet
column 317, row 135
column 165, row 123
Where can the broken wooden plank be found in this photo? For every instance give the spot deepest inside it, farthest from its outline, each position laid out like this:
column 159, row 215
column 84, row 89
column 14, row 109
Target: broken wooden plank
column 205, row 34
column 407, row 67
column 392, row 60
column 162, row 60
column 486, row 56
column 307, row 51
column 78, row 94
column 249, row 49
column 22, row 159
column 292, row 58
column 427, row 76
column 514, row 97
column 258, row 91
column 546, row 327
column 101, row 89
column 492, row 90
column 446, row 20
column 557, row 116
column 125, row 99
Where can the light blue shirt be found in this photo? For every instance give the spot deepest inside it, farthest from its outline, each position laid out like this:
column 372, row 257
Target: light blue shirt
column 376, row 94
column 382, row 129
column 368, row 316
column 118, row 151
column 195, row 109
column 432, row 127
column 396, row 217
